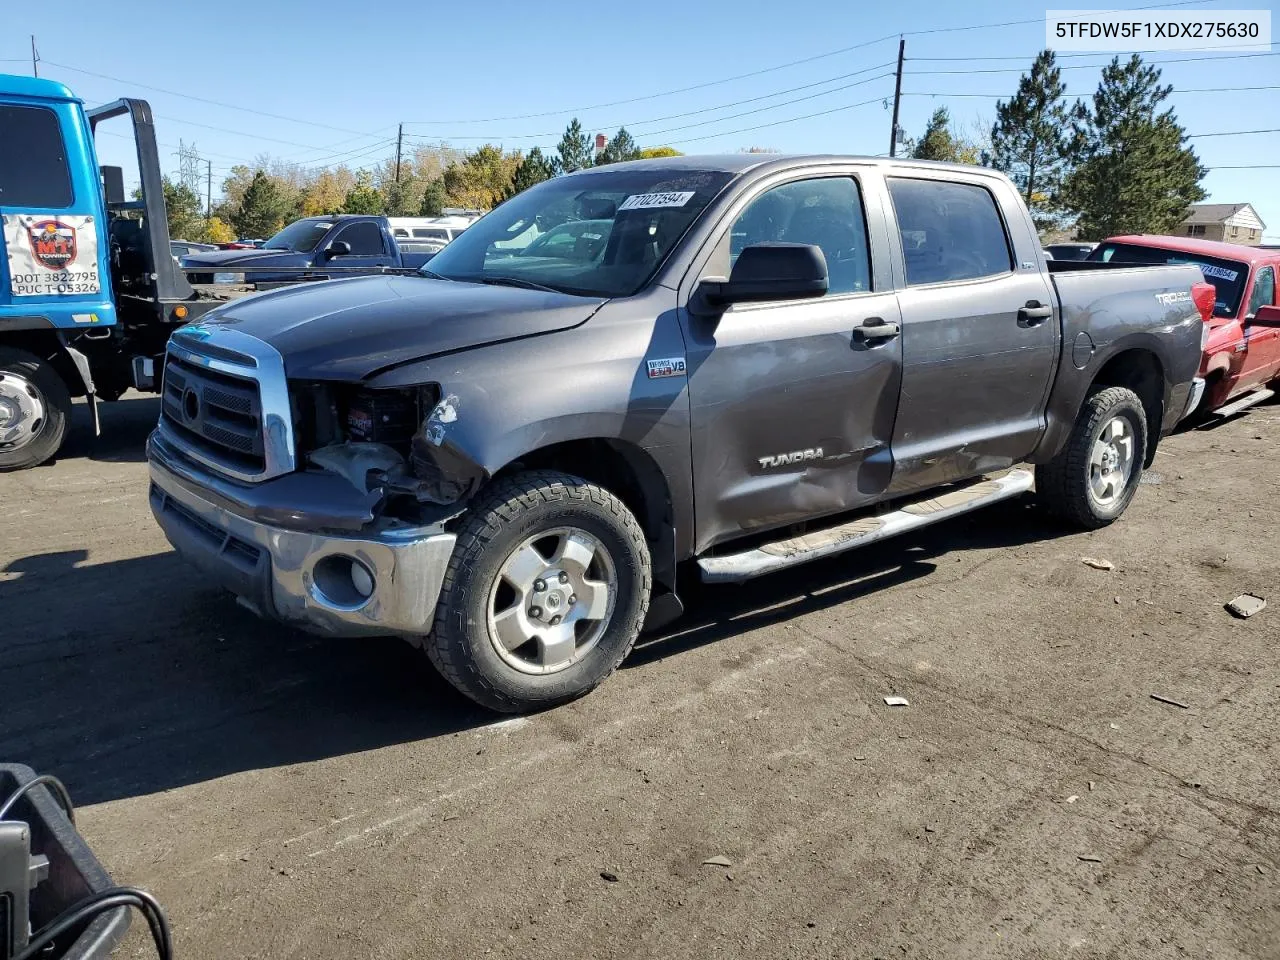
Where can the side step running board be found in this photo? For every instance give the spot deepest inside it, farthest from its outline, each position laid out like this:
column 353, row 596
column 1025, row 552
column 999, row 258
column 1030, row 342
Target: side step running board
column 734, row 567
column 1244, row 403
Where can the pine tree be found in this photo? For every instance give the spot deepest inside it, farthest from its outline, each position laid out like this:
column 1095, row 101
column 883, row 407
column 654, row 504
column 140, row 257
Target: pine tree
column 533, row 169
column 621, row 147
column 937, row 142
column 364, row 196
column 574, row 150
column 261, row 213
column 1031, row 138
column 1135, row 172
column 433, row 199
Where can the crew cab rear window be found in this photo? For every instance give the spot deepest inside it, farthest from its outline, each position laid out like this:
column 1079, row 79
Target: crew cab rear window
column 949, row 231
column 1227, row 276
column 33, row 159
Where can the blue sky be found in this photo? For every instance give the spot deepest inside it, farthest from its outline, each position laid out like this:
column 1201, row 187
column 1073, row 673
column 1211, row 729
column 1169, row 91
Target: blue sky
column 515, row 72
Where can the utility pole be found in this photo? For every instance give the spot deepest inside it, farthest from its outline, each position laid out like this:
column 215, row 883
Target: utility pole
column 208, row 193
column 897, row 99
column 399, row 144
column 35, row 57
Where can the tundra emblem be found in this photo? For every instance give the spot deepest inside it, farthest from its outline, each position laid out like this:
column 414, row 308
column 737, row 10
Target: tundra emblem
column 795, row 456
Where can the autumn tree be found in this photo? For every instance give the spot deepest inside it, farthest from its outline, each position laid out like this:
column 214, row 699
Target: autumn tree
column 326, row 192
column 649, row 153
column 1135, row 172
column 1031, row 138
column 483, row 180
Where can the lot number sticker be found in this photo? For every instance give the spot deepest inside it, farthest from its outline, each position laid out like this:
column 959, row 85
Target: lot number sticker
column 650, row 201
column 52, row 256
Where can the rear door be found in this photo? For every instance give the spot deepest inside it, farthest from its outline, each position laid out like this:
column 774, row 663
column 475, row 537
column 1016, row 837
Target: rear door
column 792, row 408
column 1262, row 341
column 980, row 329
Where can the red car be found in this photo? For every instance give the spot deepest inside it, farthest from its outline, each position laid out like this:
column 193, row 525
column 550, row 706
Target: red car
column 1242, row 353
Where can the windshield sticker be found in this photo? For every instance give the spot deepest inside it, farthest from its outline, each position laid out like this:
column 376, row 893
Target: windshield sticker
column 1222, row 273
column 651, row 201
column 52, row 256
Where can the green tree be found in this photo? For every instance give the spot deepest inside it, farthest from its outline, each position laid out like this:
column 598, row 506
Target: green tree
column 936, row 143
column 621, row 147
column 182, row 206
column 433, row 199
column 401, row 196
column 533, row 169
column 262, row 210
column 574, row 150
column 1134, row 171
column 364, row 196
column 1031, row 138
column 649, row 153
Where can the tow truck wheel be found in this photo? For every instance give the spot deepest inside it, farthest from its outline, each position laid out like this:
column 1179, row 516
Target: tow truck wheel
column 545, row 593
column 34, row 410
column 1091, row 481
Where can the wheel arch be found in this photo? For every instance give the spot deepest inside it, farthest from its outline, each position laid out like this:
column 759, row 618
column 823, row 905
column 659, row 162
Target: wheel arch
column 48, row 346
column 1140, row 370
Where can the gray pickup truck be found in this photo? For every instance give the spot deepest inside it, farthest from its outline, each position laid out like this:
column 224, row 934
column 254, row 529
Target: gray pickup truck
column 741, row 363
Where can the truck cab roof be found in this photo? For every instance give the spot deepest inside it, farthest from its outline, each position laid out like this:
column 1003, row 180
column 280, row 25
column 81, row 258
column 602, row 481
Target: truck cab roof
column 17, row 86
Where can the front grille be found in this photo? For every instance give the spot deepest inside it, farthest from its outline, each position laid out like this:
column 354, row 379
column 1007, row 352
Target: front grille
column 218, row 414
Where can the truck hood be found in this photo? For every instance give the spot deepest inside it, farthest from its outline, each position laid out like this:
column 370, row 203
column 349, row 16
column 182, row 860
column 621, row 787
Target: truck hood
column 258, row 258
column 349, row 329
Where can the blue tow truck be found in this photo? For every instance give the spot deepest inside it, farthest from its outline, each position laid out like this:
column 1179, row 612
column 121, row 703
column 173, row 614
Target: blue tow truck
column 89, row 289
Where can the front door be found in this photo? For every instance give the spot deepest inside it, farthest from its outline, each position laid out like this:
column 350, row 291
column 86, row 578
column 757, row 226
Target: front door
column 1262, row 340
column 368, row 246
column 792, row 404
column 980, row 333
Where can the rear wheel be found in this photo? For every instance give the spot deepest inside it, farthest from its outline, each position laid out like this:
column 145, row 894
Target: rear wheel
column 545, row 594
column 35, row 408
column 1091, row 481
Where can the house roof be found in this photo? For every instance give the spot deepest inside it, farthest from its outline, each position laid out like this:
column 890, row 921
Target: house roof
column 1213, row 212
column 1206, row 248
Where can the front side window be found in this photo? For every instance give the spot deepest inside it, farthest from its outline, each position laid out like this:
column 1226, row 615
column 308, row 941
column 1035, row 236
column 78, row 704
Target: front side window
column 365, row 239
column 301, row 236
column 613, row 228
column 1264, row 291
column 825, row 212
column 33, row 159
column 949, row 231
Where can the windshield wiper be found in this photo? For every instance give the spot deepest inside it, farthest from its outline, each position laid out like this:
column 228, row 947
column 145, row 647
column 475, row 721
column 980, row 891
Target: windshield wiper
column 424, row 272
column 517, row 282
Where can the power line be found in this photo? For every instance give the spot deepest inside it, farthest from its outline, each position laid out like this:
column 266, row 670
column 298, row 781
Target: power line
column 776, row 123
column 216, row 103
column 1248, row 166
column 782, row 66
column 1231, row 133
column 1088, row 66
column 1002, row 96
column 1075, row 56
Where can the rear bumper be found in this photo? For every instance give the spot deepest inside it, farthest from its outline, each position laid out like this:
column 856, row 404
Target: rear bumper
column 303, row 577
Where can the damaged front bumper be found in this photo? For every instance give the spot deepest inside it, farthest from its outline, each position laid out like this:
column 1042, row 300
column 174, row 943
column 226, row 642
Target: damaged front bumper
column 376, row 579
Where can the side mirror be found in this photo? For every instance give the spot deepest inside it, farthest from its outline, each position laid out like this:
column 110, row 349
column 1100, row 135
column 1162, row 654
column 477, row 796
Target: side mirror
column 769, row 271
column 1267, row 316
column 112, row 184
column 339, row 248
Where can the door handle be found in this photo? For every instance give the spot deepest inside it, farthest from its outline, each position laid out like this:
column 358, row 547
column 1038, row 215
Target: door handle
column 876, row 329
column 1034, row 314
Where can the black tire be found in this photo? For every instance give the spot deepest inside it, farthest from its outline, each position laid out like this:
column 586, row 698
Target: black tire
column 1062, row 484
column 41, row 375
column 503, row 518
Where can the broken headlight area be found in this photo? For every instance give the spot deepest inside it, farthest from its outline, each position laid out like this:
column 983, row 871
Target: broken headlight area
column 393, row 441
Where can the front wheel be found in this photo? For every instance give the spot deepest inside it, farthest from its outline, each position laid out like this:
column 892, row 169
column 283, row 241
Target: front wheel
column 545, row 594
column 35, row 408
column 1092, row 479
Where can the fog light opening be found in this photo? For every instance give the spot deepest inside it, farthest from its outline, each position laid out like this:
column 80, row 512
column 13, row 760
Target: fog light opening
column 342, row 581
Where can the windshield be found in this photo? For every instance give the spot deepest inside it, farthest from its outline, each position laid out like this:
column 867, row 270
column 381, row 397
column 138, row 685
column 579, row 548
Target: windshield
column 301, row 236
column 1227, row 276
column 598, row 234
